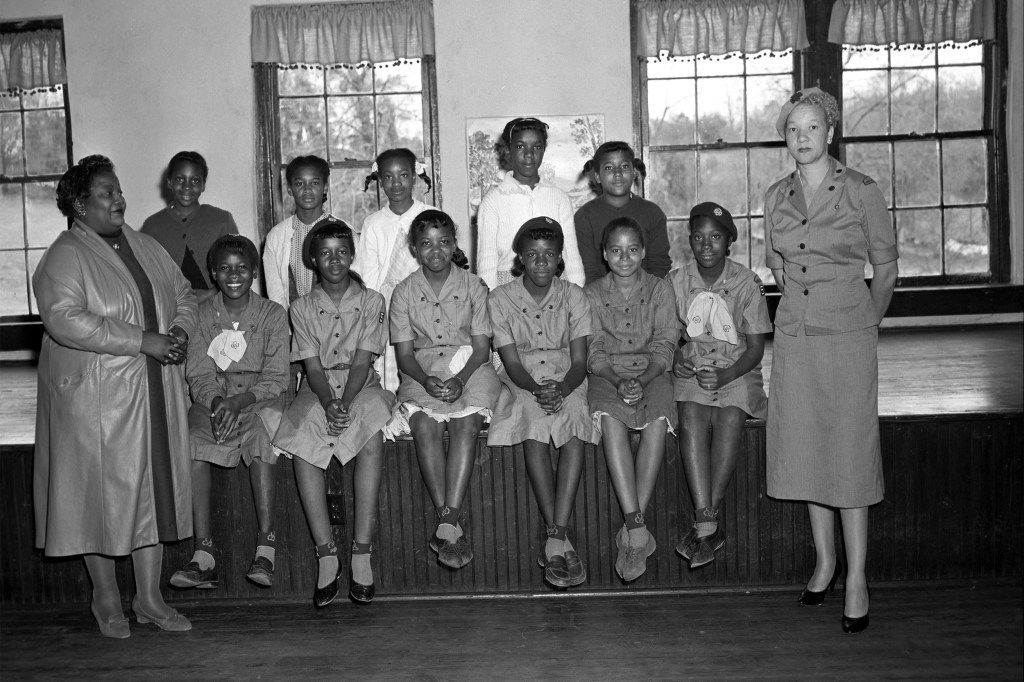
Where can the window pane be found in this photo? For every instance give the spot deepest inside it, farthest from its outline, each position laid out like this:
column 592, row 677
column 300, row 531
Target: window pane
column 46, row 142
column 348, row 200
column 854, row 58
column 671, row 108
column 917, row 173
column 719, row 66
column 919, row 237
column 723, row 179
column 302, row 127
column 720, row 110
column 45, row 222
column 771, row 62
column 865, row 103
column 11, row 148
column 351, row 131
column 356, row 81
column 961, row 98
column 670, row 68
column 739, row 250
column 872, row 160
column 954, row 53
column 913, row 101
column 679, row 242
column 757, row 263
column 299, row 81
column 673, row 182
column 964, row 171
column 8, row 102
column 400, row 122
column 766, row 166
column 12, row 226
column 401, row 78
column 967, row 241
column 41, row 100
column 34, row 256
column 912, row 56
column 764, row 94
column 13, row 283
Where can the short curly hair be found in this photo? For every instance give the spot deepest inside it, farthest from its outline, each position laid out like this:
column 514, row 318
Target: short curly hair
column 233, row 243
column 195, row 158
column 77, row 180
column 827, row 104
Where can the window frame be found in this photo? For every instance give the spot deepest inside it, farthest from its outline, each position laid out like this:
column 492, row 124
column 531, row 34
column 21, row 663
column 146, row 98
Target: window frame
column 821, row 64
column 11, row 323
column 430, row 137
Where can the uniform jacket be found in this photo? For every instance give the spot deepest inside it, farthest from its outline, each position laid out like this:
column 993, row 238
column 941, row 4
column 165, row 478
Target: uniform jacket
column 823, row 248
column 92, row 480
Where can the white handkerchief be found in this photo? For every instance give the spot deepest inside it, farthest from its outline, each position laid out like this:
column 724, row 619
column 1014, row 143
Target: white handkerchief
column 460, row 359
column 227, row 347
column 708, row 314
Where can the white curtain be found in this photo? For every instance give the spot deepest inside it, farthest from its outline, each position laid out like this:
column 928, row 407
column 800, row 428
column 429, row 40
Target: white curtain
column 683, row 28
column 342, row 33
column 31, row 60
column 911, row 22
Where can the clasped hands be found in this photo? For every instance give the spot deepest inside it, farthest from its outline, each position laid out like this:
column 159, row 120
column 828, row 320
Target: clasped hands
column 168, row 349
column 549, row 396
column 224, row 416
column 447, row 391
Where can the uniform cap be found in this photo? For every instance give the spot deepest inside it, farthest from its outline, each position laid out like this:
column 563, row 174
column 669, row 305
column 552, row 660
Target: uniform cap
column 716, row 213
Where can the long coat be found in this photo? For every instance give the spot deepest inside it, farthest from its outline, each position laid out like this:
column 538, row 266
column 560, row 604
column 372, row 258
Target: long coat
column 92, row 482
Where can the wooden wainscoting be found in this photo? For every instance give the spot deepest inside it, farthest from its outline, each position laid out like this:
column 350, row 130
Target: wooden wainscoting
column 952, row 510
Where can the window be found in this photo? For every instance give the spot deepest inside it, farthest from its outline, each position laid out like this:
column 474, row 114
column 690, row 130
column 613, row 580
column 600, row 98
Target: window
column 922, row 121
column 916, row 121
column 348, row 115
column 709, row 135
column 35, row 144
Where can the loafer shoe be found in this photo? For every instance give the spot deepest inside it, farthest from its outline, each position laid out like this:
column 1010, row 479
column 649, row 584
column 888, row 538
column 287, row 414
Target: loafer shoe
column 193, row 576
column 556, row 571
column 261, row 571
column 574, row 566
column 174, row 622
column 464, row 549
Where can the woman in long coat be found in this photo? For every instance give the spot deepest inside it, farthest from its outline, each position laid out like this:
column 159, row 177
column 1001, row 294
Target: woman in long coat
column 112, row 459
column 823, row 223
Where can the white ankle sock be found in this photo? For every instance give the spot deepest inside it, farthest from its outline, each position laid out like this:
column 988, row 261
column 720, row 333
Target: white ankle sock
column 265, row 551
column 328, row 570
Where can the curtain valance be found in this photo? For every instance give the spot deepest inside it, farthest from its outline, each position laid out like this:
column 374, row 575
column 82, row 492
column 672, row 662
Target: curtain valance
column 911, row 22
column 31, row 60
column 682, row 28
column 342, row 32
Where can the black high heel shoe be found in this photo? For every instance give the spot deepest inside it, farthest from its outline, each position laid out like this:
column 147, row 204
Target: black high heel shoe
column 322, row 596
column 812, row 598
column 852, row 626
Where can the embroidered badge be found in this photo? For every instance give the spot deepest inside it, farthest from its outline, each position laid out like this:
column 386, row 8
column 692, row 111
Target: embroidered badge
column 759, row 283
column 718, row 211
column 868, row 181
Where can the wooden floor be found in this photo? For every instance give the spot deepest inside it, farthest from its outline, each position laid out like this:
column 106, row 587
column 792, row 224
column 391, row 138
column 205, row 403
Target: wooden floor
column 950, row 371
column 918, row 631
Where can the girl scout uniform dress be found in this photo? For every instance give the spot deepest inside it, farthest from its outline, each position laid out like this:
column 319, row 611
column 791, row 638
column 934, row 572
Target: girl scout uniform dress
column 717, row 321
column 628, row 335
column 334, row 334
column 225, row 361
column 441, row 328
column 541, row 333
column 822, row 433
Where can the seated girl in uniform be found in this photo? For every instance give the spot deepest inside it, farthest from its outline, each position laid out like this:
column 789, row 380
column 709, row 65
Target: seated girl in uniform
column 338, row 328
column 541, row 327
column 718, row 371
column 635, row 334
column 237, row 371
column 442, row 336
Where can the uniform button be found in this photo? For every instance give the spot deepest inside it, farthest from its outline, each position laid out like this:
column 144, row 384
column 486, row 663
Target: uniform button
column 441, row 354
column 542, row 362
column 436, row 305
column 330, row 445
column 627, row 310
column 538, row 317
column 337, row 317
column 238, row 385
column 335, row 352
column 803, row 269
column 337, row 336
column 438, row 320
column 802, row 245
column 837, row 207
column 805, row 292
column 538, row 334
column 627, row 324
column 714, row 399
column 804, row 221
column 714, row 362
column 630, row 341
column 792, row 192
column 456, row 298
column 831, row 188
column 635, row 364
column 438, row 336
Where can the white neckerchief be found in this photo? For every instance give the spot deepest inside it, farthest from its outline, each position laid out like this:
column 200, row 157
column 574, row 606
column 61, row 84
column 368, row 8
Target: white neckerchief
column 708, row 314
column 227, row 347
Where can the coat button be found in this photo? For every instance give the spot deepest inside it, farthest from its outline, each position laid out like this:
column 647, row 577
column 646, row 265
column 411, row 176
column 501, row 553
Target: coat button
column 831, row 188
column 804, row 221
column 802, row 245
column 337, row 336
column 803, row 269
column 437, row 320
column 438, row 336
column 805, row 292
column 542, row 362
